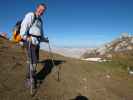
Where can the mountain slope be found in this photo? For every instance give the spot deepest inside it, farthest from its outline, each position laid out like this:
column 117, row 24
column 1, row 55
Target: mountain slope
column 121, row 44
column 78, row 79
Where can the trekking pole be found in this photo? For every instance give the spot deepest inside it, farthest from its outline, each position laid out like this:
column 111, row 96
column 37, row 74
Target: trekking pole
column 51, row 56
column 32, row 80
column 30, row 65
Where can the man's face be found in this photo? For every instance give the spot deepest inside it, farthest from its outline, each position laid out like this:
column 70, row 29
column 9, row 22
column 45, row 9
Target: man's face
column 40, row 10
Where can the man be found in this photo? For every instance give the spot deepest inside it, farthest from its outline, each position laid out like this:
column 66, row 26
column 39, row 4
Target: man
column 32, row 34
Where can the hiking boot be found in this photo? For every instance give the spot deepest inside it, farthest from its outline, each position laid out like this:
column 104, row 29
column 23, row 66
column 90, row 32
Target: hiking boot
column 34, row 83
column 27, row 83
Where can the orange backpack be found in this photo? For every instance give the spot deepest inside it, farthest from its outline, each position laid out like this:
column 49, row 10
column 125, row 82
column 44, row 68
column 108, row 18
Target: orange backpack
column 16, row 37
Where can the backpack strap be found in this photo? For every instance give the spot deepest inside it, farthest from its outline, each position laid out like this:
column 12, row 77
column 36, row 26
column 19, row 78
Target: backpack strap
column 34, row 19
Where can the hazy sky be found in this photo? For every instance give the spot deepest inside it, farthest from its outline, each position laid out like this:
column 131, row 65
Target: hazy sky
column 74, row 23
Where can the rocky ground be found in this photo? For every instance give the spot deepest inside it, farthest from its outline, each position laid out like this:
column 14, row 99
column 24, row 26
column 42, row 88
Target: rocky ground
column 78, row 80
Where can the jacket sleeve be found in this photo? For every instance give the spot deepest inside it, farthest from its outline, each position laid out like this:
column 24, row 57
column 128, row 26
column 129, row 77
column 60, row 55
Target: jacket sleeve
column 43, row 38
column 26, row 23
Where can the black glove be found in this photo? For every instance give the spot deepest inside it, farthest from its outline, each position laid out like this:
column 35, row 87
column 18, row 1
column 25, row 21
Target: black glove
column 46, row 39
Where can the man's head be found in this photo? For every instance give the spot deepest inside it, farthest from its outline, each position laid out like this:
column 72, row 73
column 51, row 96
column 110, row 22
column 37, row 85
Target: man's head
column 40, row 9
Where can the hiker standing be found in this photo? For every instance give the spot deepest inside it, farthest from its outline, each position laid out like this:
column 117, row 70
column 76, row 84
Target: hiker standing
column 32, row 34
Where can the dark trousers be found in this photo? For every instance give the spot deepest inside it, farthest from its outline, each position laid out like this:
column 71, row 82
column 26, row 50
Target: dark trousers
column 37, row 52
column 33, row 53
column 32, row 58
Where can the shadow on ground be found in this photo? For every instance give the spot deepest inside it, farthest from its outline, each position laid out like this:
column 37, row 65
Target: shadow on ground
column 47, row 68
column 80, row 97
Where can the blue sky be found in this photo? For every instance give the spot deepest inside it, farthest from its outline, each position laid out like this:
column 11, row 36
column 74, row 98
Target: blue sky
column 74, row 23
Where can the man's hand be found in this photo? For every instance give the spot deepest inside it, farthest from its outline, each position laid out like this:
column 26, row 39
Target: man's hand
column 24, row 37
column 45, row 39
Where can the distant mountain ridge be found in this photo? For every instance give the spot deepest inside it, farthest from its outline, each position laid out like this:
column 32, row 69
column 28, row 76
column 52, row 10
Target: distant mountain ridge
column 122, row 44
column 68, row 52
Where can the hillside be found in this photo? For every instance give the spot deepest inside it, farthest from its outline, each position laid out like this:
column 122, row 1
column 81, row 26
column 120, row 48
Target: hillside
column 79, row 80
column 122, row 44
